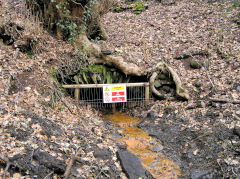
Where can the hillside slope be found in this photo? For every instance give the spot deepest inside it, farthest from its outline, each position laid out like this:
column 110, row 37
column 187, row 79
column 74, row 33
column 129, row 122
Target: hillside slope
column 201, row 134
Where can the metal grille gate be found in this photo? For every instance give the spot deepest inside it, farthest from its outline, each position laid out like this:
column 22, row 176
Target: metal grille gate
column 92, row 94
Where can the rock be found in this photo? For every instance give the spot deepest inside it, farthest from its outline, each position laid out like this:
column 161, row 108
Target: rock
column 20, row 26
column 150, row 115
column 157, row 83
column 199, row 174
column 49, row 161
column 162, row 77
column 19, row 133
column 236, row 86
column 236, row 130
column 102, row 153
column 152, row 142
column 195, row 65
column 167, row 89
column 107, row 52
column 168, row 2
column 132, row 166
column 116, row 136
column 157, row 148
column 197, row 83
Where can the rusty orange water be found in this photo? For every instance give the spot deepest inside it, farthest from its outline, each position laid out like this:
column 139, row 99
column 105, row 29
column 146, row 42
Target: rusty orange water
column 138, row 142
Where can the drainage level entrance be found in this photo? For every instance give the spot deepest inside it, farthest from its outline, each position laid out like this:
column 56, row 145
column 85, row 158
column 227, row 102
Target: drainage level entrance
column 135, row 94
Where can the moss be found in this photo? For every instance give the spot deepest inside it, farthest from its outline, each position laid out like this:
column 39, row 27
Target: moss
column 195, row 65
column 53, row 73
column 96, row 68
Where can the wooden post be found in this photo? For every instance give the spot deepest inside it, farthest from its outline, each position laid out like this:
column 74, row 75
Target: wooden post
column 147, row 94
column 114, row 107
column 76, row 94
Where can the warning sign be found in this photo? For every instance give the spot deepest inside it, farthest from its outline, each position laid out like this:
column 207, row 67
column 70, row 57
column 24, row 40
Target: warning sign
column 117, row 88
column 114, row 93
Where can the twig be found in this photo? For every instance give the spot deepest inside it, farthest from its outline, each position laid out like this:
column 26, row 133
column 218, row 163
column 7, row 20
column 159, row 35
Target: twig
column 209, row 78
column 7, row 167
column 100, row 171
column 206, row 70
column 238, row 118
column 48, row 175
column 225, row 100
column 203, row 135
column 62, row 100
column 69, row 166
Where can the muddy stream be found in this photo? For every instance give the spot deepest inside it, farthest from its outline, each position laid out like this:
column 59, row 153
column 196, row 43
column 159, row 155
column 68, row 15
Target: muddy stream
column 139, row 143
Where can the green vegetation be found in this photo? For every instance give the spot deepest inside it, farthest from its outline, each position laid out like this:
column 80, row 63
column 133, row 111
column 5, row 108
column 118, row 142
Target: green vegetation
column 117, row 9
column 138, row 8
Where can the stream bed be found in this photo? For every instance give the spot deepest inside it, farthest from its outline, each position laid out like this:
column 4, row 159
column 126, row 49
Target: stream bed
column 146, row 148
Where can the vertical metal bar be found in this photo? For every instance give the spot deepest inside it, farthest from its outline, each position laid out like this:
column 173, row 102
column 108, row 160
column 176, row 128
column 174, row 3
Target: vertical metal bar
column 85, row 96
column 96, row 93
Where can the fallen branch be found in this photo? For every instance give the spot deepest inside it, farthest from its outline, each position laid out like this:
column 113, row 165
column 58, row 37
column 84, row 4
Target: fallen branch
column 225, row 100
column 59, row 96
column 69, row 166
column 8, row 164
column 187, row 55
column 238, row 118
column 100, row 171
column 206, row 70
column 48, row 175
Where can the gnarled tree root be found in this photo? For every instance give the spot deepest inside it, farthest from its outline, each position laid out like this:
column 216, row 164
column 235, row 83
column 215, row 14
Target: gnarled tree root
column 95, row 55
column 164, row 68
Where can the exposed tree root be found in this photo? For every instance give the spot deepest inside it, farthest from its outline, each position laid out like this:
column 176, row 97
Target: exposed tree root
column 164, row 68
column 225, row 100
column 95, row 55
column 187, row 55
column 69, row 166
column 154, row 90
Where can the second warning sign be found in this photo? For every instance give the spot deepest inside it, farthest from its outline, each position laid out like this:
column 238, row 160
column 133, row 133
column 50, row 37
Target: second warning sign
column 114, row 93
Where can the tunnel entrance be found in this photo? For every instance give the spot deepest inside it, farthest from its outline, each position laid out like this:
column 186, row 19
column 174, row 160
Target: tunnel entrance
column 134, row 94
column 86, row 85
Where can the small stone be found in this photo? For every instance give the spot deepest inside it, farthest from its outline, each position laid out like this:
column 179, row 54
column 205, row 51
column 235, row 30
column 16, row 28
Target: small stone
column 199, row 174
column 157, row 148
column 17, row 175
column 157, row 83
column 28, row 88
column 236, row 131
column 107, row 52
column 168, row 2
column 162, row 77
column 20, row 26
column 238, row 88
column 167, row 89
column 197, row 83
column 152, row 142
column 195, row 65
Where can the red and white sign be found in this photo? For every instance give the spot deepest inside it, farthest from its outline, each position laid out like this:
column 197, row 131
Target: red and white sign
column 114, row 93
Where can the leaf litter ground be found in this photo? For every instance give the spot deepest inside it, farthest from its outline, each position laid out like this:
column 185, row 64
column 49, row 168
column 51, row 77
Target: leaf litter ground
column 202, row 136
